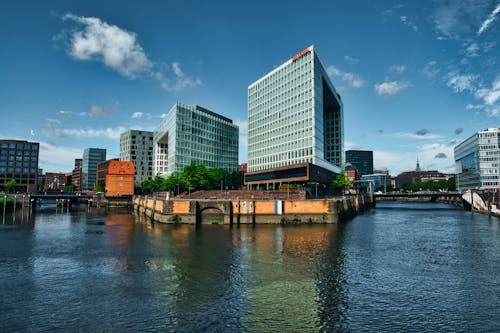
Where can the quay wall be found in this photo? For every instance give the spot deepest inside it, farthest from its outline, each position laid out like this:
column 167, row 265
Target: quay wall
column 251, row 211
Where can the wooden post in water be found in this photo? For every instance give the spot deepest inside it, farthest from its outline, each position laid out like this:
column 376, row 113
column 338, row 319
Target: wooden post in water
column 4, row 205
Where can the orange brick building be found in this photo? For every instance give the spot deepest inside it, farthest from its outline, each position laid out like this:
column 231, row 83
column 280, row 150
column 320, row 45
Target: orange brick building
column 117, row 176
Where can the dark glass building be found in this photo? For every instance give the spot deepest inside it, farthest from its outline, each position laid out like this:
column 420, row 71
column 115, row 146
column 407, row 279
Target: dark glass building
column 19, row 162
column 362, row 160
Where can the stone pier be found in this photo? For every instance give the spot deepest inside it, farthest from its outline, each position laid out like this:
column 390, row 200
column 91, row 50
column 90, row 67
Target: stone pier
column 251, row 211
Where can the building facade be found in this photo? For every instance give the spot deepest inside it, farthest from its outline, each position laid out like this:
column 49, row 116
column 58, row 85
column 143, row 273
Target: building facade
column 91, row 157
column 19, row 162
column 191, row 133
column 380, row 181
column 117, row 176
column 54, row 181
column 137, row 146
column 477, row 161
column 76, row 175
column 295, row 117
column 362, row 160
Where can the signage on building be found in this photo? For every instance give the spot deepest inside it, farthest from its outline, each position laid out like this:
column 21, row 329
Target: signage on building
column 301, row 54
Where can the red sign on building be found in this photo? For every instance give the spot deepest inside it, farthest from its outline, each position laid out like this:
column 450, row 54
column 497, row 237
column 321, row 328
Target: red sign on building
column 301, row 54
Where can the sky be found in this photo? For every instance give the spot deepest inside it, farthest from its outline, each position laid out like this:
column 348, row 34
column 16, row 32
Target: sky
column 416, row 77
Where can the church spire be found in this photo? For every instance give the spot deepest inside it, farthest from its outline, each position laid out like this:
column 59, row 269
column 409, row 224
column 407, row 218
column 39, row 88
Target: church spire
column 418, row 165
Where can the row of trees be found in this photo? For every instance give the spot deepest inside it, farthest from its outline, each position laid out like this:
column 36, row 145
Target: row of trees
column 194, row 177
column 430, row 185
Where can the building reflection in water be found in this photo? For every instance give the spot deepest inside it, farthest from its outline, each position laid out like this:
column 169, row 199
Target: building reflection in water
column 252, row 278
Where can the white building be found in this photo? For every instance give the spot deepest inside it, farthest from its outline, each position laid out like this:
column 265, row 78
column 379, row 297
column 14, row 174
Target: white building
column 192, row 133
column 295, row 124
column 137, row 146
column 477, row 161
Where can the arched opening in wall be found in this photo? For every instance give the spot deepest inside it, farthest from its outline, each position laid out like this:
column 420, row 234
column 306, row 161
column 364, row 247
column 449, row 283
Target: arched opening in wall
column 211, row 215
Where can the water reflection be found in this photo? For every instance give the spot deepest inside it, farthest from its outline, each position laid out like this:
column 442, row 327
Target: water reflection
column 385, row 270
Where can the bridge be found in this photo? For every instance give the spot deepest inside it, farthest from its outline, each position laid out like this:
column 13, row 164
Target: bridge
column 419, row 196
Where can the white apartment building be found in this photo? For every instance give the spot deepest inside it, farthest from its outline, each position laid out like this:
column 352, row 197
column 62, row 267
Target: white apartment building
column 137, row 146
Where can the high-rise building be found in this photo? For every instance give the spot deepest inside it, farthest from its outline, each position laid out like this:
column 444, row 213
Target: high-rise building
column 191, row 133
column 137, row 146
column 362, row 160
column 477, row 161
column 295, row 124
column 91, row 157
column 19, row 162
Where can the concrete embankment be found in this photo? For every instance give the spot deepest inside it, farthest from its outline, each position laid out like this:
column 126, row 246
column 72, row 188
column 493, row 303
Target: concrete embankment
column 251, row 211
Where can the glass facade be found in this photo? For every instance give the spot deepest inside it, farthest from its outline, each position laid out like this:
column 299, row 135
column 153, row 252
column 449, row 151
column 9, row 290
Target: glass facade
column 191, row 133
column 362, row 160
column 477, row 161
column 91, row 157
column 19, row 161
column 137, row 146
column 295, row 116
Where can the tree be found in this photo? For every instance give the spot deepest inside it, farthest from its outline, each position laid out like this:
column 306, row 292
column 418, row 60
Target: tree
column 69, row 188
column 99, row 187
column 9, row 185
column 341, row 182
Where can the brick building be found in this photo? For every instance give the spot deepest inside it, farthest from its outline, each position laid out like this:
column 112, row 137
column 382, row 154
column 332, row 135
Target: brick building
column 54, row 181
column 117, row 176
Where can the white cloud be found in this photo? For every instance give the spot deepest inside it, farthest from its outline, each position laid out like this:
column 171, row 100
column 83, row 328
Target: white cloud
column 118, row 49
column 489, row 20
column 472, row 50
column 179, row 81
column 351, row 60
column 391, row 87
column 55, row 129
column 57, row 158
column 408, row 23
column 352, row 79
column 397, row 69
column 96, row 110
column 431, row 70
column 460, row 82
column 490, row 96
column 458, row 19
column 136, row 115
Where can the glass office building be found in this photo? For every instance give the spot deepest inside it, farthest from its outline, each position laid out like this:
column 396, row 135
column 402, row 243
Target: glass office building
column 362, row 160
column 192, row 133
column 19, row 162
column 295, row 124
column 137, row 146
column 477, row 161
column 91, row 157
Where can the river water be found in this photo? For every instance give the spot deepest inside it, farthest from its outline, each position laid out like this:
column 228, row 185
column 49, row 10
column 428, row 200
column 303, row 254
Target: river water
column 401, row 267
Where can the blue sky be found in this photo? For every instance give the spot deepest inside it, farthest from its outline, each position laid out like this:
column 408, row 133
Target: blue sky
column 415, row 77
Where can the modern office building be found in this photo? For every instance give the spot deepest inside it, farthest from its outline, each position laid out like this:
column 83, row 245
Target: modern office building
column 295, row 124
column 381, row 181
column 19, row 162
column 91, row 157
column 137, row 146
column 362, row 160
column 477, row 161
column 191, row 133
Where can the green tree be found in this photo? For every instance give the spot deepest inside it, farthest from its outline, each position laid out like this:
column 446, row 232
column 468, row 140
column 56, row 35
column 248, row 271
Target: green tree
column 9, row 185
column 341, row 182
column 99, row 187
column 69, row 188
